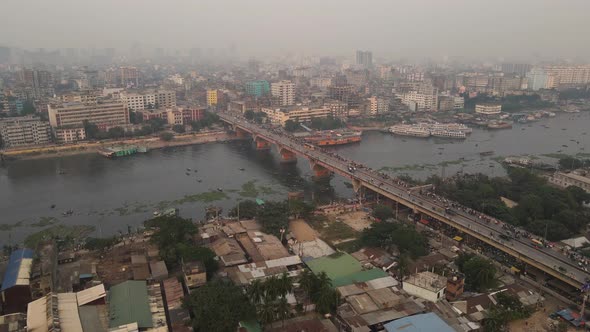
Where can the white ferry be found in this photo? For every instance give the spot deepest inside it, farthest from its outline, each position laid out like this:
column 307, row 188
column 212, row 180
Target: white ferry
column 446, row 126
column 448, row 133
column 409, row 130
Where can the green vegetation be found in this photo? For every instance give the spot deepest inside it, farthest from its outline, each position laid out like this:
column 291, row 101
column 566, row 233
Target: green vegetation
column 511, row 103
column 480, row 273
column 247, row 209
column 540, row 206
column 64, row 235
column 382, row 212
column 292, row 126
column 249, row 189
column 45, row 221
column 179, row 129
column 327, row 123
column 274, row 217
column 404, row 237
column 336, row 231
column 9, row 227
column 507, row 309
column 205, row 197
column 257, row 117
column 569, row 163
column 319, row 290
column 218, row 306
column 269, row 298
column 166, row 136
column 208, row 121
column 574, row 94
column 173, row 236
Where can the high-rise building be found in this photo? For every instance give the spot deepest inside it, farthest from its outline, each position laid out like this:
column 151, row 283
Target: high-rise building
column 211, row 97
column 129, row 76
column 537, row 79
column 516, row 68
column 39, row 81
column 422, row 97
column 364, row 58
column 103, row 113
column 568, row 75
column 257, row 88
column 26, row 130
column 284, row 91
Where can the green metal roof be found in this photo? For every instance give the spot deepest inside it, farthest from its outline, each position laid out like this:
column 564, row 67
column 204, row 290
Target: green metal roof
column 343, row 269
column 336, row 266
column 361, row 276
column 251, row 325
column 129, row 303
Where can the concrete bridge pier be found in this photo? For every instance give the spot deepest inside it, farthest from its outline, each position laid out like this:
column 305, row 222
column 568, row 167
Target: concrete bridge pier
column 356, row 185
column 319, row 171
column 261, row 144
column 240, row 133
column 287, row 156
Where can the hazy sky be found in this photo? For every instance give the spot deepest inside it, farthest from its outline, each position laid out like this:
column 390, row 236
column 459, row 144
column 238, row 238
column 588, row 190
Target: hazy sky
column 411, row 27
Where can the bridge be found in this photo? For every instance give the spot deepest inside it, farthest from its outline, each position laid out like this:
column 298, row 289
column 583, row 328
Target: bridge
column 324, row 164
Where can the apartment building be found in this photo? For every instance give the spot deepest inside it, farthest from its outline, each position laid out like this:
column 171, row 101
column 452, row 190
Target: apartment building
column 26, row 130
column 69, row 135
column 103, row 113
column 567, row 75
column 137, row 101
column 421, row 97
column 257, row 88
column 212, row 97
column 377, row 105
column 295, row 113
column 78, row 97
column 284, row 91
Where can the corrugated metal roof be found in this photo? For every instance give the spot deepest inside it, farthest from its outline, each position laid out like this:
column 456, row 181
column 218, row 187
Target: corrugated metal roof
column 91, row 294
column 18, row 270
column 419, row 323
column 128, row 303
column 67, row 306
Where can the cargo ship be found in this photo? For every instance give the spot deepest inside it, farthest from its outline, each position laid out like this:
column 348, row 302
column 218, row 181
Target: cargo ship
column 334, row 137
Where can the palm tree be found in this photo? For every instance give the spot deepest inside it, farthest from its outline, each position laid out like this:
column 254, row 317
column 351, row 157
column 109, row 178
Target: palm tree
column 307, row 282
column 266, row 311
column 283, row 309
column 255, row 291
column 327, row 300
column 285, row 284
column 272, row 288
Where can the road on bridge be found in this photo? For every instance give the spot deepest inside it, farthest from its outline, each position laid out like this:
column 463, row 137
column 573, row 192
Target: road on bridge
column 544, row 258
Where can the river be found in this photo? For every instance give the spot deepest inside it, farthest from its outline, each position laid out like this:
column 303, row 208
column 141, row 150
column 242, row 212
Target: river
column 114, row 194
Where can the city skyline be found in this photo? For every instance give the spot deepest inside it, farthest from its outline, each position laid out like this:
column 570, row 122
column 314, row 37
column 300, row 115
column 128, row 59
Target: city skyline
column 526, row 29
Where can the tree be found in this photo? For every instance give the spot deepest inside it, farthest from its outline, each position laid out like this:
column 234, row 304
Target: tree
column 401, row 269
column 283, row 309
column 507, row 308
column 248, row 209
column 273, row 217
column 178, row 128
column 249, row 115
column 480, row 273
column 255, row 291
column 156, row 124
column 189, row 252
column 116, row 132
column 300, row 209
column 196, row 126
column 219, row 306
column 404, row 237
column 382, row 212
column 167, row 136
column 291, row 126
column 266, row 311
column 91, row 129
column 170, row 233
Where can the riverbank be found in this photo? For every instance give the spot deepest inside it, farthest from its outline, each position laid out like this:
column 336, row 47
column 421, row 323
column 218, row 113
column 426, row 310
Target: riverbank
column 52, row 151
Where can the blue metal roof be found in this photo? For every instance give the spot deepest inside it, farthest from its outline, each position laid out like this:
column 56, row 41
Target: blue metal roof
column 14, row 264
column 419, row 323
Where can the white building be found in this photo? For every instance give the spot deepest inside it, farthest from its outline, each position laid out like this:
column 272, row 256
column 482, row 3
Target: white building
column 103, row 113
column 70, row 135
column 426, row 285
column 377, row 105
column 285, row 91
column 150, row 99
column 488, row 109
column 321, row 82
column 537, row 79
column 421, row 97
column 568, row 75
column 295, row 113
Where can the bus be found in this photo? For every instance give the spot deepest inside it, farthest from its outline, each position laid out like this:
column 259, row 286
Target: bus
column 537, row 243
